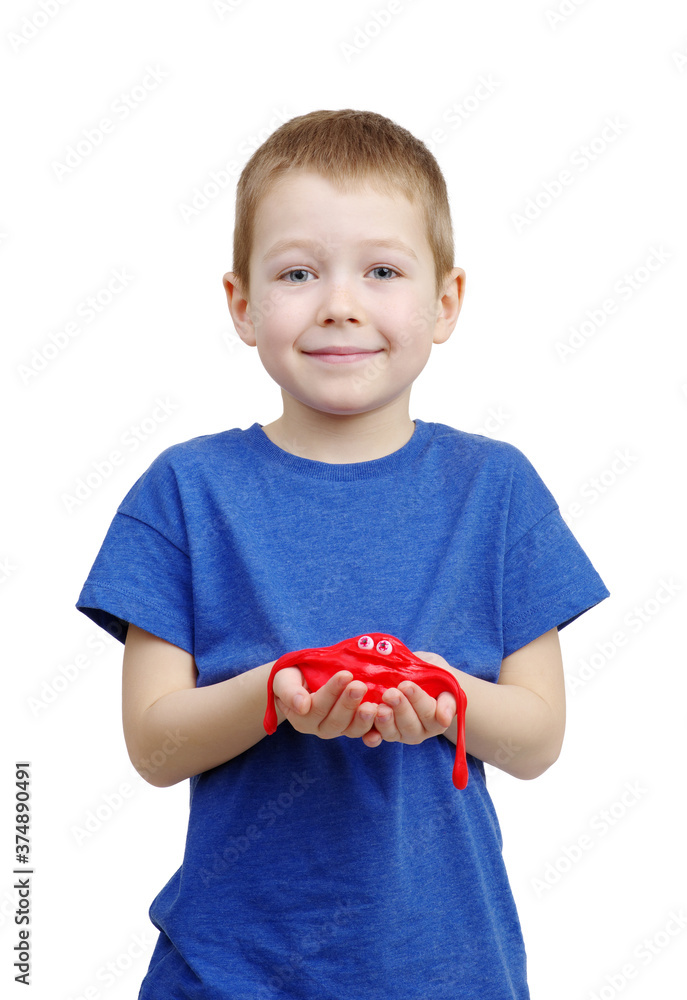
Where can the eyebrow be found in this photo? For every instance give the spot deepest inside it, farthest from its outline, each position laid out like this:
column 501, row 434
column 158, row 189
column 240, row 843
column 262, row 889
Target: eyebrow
column 388, row 244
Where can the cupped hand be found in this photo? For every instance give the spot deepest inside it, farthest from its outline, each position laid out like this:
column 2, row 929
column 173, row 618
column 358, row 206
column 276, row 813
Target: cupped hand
column 409, row 715
column 335, row 709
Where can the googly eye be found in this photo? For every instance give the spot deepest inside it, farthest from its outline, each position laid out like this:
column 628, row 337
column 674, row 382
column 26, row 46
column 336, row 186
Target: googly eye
column 384, row 647
column 365, row 642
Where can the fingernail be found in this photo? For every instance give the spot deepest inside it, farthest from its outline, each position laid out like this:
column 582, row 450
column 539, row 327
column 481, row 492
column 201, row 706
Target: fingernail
column 298, row 702
column 394, row 699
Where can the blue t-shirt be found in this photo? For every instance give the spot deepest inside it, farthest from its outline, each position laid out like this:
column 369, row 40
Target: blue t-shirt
column 321, row 869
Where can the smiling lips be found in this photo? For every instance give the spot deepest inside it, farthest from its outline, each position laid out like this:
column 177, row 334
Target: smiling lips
column 341, row 355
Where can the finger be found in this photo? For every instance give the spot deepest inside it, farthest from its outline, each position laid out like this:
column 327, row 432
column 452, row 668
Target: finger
column 342, row 712
column 363, row 720
column 324, row 699
column 288, row 688
column 410, row 727
column 385, row 724
column 426, row 708
column 373, row 738
column 446, row 708
column 435, row 715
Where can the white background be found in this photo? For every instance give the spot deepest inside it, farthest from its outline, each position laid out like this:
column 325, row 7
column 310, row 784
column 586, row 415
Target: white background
column 601, row 421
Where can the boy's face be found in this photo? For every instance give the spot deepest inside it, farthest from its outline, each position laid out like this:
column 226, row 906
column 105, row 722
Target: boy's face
column 342, row 302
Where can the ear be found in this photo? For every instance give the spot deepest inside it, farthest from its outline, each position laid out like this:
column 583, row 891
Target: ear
column 239, row 309
column 450, row 303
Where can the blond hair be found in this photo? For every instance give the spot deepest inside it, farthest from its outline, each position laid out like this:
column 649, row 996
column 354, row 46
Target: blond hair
column 346, row 147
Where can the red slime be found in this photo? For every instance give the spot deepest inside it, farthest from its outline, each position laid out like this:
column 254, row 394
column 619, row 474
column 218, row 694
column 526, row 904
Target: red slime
column 381, row 661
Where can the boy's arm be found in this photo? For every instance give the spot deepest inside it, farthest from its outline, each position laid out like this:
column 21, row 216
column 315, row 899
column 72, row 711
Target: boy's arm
column 174, row 729
column 517, row 724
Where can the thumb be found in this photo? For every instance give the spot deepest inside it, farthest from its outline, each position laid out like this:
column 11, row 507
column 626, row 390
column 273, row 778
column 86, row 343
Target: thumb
column 446, row 708
column 301, row 701
column 290, row 691
column 298, row 702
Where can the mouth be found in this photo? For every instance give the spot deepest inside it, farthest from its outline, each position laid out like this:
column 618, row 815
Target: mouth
column 341, row 355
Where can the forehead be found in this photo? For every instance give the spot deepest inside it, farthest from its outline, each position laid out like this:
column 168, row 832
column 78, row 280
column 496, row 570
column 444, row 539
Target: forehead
column 303, row 204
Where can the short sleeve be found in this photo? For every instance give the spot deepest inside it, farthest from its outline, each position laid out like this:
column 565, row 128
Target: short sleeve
column 142, row 573
column 548, row 582
column 548, row 579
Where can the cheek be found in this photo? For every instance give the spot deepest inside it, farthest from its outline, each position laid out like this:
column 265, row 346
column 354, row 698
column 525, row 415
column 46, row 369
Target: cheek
column 267, row 306
column 287, row 318
column 413, row 318
column 413, row 340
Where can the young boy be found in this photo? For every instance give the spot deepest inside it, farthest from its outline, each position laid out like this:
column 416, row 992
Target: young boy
column 335, row 859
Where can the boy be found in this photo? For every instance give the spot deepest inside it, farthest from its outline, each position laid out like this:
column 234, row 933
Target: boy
column 335, row 859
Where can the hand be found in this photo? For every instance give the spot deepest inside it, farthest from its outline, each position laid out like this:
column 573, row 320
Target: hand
column 335, row 709
column 409, row 715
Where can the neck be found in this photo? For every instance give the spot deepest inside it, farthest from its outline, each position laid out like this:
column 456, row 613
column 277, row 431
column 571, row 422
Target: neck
column 342, row 438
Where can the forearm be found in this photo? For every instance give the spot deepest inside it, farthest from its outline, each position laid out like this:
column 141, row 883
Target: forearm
column 192, row 730
column 508, row 726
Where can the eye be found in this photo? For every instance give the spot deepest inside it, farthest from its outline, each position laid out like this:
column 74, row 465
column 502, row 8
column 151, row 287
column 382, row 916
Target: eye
column 365, row 642
column 390, row 272
column 300, row 273
column 384, row 647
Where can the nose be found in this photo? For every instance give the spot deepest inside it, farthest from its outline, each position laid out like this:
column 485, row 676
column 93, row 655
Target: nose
column 340, row 306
